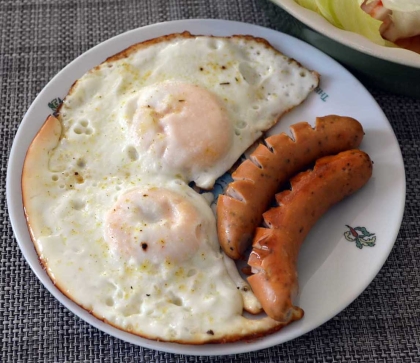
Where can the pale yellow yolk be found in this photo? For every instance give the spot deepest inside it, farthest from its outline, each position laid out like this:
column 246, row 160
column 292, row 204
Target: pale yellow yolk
column 153, row 224
column 184, row 125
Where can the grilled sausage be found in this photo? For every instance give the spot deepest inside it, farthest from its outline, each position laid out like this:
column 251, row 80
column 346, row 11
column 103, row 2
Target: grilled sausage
column 257, row 179
column 275, row 248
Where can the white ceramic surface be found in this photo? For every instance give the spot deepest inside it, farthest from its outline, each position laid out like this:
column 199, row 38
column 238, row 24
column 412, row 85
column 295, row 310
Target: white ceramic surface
column 350, row 39
column 332, row 270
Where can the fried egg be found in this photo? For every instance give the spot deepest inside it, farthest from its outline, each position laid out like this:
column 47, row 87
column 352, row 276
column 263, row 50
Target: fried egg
column 106, row 183
column 187, row 106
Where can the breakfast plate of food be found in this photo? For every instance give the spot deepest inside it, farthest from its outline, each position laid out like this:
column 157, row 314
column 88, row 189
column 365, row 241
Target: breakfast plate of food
column 205, row 187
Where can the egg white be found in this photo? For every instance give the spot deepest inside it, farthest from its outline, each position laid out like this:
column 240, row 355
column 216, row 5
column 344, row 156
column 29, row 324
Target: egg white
column 89, row 173
column 252, row 82
column 188, row 297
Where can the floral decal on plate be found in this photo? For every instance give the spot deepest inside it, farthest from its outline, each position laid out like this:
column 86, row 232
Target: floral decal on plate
column 55, row 104
column 361, row 236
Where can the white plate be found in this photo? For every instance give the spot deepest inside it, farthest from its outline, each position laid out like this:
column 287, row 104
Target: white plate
column 333, row 271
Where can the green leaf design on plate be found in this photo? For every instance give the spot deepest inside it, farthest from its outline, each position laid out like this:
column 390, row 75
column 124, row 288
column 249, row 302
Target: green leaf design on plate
column 364, row 231
column 361, row 236
column 55, row 104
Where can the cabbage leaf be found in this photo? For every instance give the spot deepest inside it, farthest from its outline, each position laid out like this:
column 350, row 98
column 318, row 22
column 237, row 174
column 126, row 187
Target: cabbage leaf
column 348, row 15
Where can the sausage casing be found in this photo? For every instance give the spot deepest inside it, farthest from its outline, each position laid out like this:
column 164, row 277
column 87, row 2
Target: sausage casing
column 275, row 248
column 258, row 178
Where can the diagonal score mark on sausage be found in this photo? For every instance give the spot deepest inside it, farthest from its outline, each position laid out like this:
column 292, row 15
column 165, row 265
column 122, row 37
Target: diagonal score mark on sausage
column 255, row 181
column 275, row 249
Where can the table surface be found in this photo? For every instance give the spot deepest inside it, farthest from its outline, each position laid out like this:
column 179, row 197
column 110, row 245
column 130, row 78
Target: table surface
column 38, row 38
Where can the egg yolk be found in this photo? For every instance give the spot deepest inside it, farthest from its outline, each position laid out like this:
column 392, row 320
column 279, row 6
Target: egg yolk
column 154, row 224
column 183, row 124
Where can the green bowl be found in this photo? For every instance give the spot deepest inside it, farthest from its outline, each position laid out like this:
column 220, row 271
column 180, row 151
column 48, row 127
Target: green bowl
column 391, row 69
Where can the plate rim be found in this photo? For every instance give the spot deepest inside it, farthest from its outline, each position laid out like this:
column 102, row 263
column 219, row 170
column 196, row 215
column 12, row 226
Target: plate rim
column 203, row 350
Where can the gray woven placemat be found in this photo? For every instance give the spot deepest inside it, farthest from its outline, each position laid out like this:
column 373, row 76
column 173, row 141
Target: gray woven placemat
column 37, row 39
